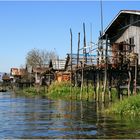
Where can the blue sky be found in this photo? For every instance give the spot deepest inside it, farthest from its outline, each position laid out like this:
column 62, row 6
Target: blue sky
column 45, row 25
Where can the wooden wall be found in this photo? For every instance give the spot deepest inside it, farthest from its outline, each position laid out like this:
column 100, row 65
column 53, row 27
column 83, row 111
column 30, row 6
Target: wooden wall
column 132, row 31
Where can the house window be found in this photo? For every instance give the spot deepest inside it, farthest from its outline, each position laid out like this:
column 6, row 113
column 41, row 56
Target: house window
column 131, row 42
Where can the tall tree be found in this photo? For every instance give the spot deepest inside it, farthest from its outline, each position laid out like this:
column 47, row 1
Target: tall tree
column 39, row 58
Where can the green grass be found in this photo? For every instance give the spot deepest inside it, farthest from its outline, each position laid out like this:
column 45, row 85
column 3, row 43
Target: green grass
column 64, row 90
column 32, row 91
column 128, row 106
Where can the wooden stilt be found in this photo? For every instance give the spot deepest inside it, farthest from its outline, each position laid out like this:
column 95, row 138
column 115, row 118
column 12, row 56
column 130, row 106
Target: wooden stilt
column 76, row 77
column 105, row 71
column 71, row 66
column 94, row 84
column 110, row 84
column 129, row 81
column 135, row 80
column 82, row 80
column 87, row 96
column 98, row 85
column 98, row 76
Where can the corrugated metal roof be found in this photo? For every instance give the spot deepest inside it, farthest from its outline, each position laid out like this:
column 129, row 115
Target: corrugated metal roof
column 133, row 12
column 40, row 69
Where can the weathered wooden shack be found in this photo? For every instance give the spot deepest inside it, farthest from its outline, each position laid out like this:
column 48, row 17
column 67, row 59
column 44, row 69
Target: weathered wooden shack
column 116, row 62
column 124, row 33
column 6, row 78
column 62, row 76
column 38, row 74
column 17, row 73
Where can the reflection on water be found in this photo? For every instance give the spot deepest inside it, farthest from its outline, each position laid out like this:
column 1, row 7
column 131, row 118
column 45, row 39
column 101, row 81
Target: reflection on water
column 22, row 117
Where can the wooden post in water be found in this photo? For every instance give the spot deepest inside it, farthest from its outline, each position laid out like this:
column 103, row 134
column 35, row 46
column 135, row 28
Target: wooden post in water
column 110, row 84
column 84, row 50
column 98, row 76
column 94, row 83
column 129, row 82
column 82, row 80
column 84, row 61
column 78, row 49
column 105, row 71
column 119, row 84
column 76, row 76
column 135, row 81
column 87, row 83
column 71, row 66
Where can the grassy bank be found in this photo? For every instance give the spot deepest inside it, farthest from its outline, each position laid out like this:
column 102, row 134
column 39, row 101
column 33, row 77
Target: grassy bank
column 32, row 91
column 129, row 106
column 64, row 90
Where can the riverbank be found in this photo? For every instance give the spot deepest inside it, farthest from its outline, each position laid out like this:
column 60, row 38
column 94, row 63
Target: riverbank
column 64, row 90
column 32, row 91
column 128, row 107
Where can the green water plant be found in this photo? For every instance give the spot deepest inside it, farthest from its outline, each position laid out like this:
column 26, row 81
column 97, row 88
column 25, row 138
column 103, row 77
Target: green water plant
column 128, row 106
column 32, row 91
column 65, row 90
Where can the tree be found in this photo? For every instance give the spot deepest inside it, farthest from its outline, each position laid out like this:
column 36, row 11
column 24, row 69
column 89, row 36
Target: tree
column 39, row 58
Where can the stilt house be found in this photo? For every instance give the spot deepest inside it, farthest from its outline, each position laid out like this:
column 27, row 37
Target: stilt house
column 124, row 35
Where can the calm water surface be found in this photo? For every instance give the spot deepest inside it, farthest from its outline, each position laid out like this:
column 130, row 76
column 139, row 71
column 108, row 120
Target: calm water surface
column 33, row 118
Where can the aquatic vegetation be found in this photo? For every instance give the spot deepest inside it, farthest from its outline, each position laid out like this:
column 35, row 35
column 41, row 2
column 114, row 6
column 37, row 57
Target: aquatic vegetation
column 32, row 91
column 57, row 89
column 64, row 90
column 128, row 106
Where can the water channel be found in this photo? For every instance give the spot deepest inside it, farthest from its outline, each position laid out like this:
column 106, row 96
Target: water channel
column 35, row 118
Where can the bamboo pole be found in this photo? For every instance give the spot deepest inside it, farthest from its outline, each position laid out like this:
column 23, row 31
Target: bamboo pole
column 90, row 42
column 84, row 61
column 84, row 50
column 78, row 49
column 76, row 77
column 71, row 65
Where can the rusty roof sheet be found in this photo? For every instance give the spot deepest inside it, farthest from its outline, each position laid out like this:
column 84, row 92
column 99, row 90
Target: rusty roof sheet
column 40, row 70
